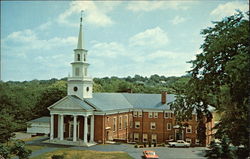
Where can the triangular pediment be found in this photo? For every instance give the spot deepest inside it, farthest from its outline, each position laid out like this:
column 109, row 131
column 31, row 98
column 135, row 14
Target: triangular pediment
column 66, row 103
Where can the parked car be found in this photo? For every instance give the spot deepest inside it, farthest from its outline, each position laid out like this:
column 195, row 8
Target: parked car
column 150, row 155
column 179, row 143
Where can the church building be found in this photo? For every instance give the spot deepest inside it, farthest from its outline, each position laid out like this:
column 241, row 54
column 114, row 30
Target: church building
column 85, row 118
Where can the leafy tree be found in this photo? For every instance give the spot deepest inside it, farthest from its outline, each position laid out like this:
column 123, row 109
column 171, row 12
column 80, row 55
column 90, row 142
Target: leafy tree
column 4, row 151
column 219, row 78
column 51, row 95
column 227, row 152
column 19, row 150
column 8, row 126
column 215, row 152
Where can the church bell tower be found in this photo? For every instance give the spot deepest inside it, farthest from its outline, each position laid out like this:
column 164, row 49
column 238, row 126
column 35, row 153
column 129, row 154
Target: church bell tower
column 80, row 84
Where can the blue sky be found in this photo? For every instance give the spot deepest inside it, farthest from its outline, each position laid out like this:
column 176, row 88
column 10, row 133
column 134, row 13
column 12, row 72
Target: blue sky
column 122, row 38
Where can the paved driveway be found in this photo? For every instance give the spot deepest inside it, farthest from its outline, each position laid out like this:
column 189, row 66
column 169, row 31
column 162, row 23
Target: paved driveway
column 163, row 152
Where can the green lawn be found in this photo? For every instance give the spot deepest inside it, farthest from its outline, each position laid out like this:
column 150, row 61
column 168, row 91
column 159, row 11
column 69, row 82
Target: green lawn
column 84, row 154
column 34, row 148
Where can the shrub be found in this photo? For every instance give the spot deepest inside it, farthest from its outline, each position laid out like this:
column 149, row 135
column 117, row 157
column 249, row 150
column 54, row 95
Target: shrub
column 4, row 151
column 149, row 144
column 136, row 146
column 19, row 150
column 57, row 157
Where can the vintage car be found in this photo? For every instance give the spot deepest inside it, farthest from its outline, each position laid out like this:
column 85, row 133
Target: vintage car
column 150, row 155
column 179, row 143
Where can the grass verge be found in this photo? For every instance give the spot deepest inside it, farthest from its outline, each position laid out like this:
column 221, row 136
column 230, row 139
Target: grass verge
column 84, row 154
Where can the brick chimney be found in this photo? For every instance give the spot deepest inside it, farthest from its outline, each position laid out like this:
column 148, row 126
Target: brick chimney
column 164, row 97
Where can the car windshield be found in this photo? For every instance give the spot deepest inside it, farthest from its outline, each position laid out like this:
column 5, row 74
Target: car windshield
column 151, row 153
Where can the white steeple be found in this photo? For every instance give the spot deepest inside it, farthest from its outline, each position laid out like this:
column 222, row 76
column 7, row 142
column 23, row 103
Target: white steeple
column 80, row 36
column 80, row 84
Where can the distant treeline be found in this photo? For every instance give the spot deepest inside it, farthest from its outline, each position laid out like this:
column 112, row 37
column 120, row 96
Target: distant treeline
column 23, row 101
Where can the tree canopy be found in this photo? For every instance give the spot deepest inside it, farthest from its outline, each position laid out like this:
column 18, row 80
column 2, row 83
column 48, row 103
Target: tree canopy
column 219, row 78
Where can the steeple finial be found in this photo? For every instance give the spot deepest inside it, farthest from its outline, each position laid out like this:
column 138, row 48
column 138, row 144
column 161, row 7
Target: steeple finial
column 80, row 44
column 81, row 16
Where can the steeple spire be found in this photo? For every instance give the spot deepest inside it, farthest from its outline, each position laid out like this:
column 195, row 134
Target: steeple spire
column 80, row 44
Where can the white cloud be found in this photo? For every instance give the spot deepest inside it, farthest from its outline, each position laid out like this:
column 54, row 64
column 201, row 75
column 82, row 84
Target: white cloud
column 155, row 37
column 96, row 13
column 177, row 20
column 155, row 5
column 109, row 50
column 228, row 9
column 26, row 41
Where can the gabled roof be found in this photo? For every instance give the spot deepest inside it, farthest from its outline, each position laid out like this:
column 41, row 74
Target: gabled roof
column 112, row 101
column 109, row 101
column 148, row 101
column 71, row 102
column 44, row 119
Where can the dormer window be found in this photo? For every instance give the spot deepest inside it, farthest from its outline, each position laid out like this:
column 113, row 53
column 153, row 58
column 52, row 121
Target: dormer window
column 78, row 57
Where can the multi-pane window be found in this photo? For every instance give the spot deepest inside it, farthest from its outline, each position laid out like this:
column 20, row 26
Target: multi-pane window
column 131, row 124
column 114, row 124
column 168, row 115
column 145, row 137
column 139, row 113
column 77, row 71
column 155, row 114
column 136, row 136
column 154, row 138
column 150, row 114
column 137, row 124
column 189, row 140
column 197, row 142
column 120, row 122
column 85, row 71
column 169, row 126
column 135, row 113
column 152, row 125
column 131, row 136
column 189, row 129
column 125, row 121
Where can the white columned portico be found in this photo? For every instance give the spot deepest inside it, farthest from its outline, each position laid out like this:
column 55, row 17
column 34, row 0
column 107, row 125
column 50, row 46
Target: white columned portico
column 85, row 137
column 61, row 127
column 51, row 126
column 74, row 130
column 92, row 128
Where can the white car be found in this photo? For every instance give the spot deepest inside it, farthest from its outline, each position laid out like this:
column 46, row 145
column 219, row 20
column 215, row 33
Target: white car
column 179, row 143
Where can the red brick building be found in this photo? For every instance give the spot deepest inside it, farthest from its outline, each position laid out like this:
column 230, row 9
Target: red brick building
column 86, row 118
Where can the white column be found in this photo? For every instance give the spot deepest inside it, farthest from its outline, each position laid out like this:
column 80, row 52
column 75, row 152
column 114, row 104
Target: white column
column 92, row 128
column 85, row 137
column 61, row 127
column 51, row 126
column 58, row 125
column 74, row 130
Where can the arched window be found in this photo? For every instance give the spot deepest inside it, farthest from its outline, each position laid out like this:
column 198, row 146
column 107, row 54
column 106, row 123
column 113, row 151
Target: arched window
column 84, row 57
column 78, row 57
